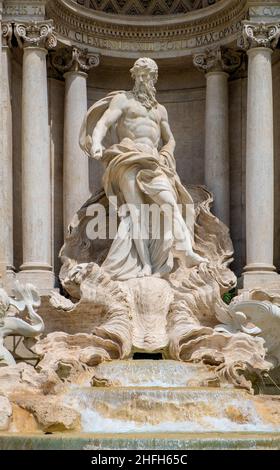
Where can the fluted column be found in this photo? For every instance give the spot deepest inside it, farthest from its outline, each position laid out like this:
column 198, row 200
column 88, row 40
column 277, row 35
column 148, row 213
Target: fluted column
column 74, row 64
column 6, row 159
column 217, row 64
column 35, row 38
column 259, row 40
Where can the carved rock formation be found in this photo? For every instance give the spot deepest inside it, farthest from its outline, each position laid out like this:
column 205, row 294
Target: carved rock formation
column 177, row 315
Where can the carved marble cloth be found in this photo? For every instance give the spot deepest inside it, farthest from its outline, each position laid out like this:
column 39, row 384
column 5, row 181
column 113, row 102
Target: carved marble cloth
column 153, row 172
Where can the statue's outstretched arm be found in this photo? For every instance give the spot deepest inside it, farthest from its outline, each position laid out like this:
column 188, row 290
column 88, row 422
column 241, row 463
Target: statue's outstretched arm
column 110, row 117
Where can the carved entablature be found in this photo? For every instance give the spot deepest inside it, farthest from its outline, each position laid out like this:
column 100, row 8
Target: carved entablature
column 218, row 59
column 260, row 35
column 160, row 36
column 74, row 59
column 7, row 33
column 36, row 34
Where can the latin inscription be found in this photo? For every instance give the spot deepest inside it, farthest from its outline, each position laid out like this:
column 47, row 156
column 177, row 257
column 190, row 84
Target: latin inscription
column 145, row 46
column 23, row 10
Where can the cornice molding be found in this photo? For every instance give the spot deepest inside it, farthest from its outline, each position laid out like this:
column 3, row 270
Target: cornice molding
column 159, row 37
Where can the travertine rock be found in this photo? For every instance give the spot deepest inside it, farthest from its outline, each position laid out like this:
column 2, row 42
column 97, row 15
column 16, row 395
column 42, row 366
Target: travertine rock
column 148, row 293
column 50, row 413
column 5, row 413
column 179, row 315
column 24, row 378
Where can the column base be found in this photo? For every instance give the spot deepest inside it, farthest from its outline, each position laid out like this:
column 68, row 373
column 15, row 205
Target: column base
column 42, row 279
column 263, row 278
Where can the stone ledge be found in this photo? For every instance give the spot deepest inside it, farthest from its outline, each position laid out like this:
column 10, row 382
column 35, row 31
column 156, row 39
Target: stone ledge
column 205, row 441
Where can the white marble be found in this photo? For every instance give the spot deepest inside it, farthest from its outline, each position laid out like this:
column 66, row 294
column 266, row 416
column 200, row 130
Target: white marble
column 140, row 169
column 25, row 297
column 259, row 309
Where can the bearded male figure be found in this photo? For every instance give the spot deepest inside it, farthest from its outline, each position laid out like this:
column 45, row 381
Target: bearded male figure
column 124, row 130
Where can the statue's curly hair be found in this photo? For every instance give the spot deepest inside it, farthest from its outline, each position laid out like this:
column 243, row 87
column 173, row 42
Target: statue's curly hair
column 147, row 64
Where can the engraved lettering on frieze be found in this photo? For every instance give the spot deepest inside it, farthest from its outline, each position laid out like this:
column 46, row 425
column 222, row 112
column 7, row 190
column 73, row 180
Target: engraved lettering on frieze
column 151, row 45
column 269, row 11
column 23, row 10
column 211, row 38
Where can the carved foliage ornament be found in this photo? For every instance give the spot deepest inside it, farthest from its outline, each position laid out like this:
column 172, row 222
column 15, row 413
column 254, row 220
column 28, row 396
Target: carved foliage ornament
column 35, row 33
column 260, row 35
column 74, row 59
column 218, row 59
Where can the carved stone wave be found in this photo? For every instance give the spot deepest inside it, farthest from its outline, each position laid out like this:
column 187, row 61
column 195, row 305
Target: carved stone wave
column 178, row 315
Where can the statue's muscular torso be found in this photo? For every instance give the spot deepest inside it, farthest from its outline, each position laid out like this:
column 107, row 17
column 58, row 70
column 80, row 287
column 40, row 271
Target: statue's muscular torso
column 132, row 120
column 140, row 124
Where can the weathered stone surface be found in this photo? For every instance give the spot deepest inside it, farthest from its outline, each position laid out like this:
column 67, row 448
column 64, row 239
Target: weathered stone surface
column 268, row 408
column 25, row 298
column 261, row 308
column 50, row 413
column 5, row 413
column 179, row 315
column 23, row 377
column 23, row 421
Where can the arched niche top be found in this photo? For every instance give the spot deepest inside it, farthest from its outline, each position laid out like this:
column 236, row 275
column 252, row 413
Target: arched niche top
column 158, row 36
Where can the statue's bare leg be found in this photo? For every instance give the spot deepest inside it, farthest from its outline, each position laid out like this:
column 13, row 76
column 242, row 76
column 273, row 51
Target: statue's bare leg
column 134, row 198
column 168, row 204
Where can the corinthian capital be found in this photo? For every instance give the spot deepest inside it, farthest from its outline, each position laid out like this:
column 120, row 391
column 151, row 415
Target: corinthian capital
column 74, row 60
column 35, row 33
column 217, row 59
column 7, row 33
column 260, row 35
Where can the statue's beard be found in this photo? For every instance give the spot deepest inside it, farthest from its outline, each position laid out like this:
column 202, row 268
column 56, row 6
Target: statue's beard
column 145, row 93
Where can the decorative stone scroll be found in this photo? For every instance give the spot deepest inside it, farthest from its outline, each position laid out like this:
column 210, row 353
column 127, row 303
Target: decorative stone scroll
column 218, row 59
column 7, row 33
column 259, row 35
column 74, row 60
column 36, row 34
